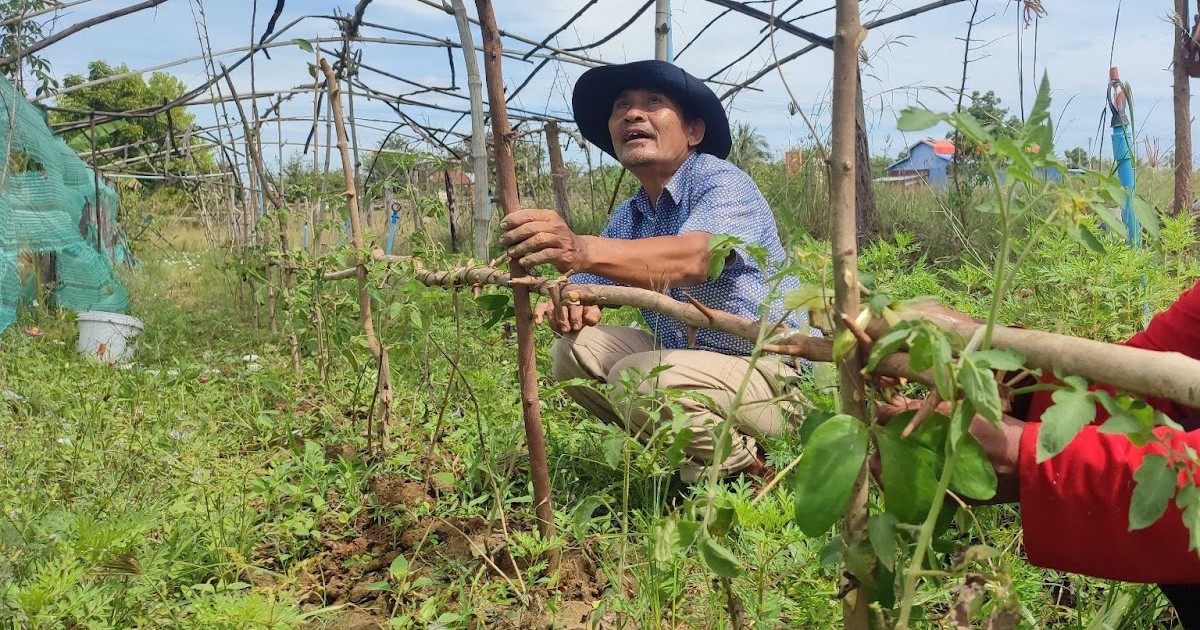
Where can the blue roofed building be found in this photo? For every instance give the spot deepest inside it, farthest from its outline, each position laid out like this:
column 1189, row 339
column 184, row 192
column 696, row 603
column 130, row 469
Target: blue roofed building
column 928, row 161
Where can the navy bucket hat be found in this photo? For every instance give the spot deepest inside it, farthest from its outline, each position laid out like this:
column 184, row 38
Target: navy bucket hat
column 596, row 90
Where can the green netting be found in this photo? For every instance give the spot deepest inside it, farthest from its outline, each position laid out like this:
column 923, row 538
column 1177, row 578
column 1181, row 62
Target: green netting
column 48, row 205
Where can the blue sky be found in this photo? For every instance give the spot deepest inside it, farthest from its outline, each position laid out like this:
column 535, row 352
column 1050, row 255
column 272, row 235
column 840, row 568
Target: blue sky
column 914, row 61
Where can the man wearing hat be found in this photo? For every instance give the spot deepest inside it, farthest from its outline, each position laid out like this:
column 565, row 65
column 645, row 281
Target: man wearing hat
column 669, row 130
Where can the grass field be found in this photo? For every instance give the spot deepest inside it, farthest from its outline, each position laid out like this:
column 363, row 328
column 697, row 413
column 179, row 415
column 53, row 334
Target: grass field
column 215, row 484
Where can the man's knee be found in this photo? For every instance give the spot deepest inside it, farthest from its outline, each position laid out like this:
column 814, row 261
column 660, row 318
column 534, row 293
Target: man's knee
column 564, row 363
column 636, row 367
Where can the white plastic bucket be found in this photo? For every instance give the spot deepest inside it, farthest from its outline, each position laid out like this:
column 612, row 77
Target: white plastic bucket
column 107, row 336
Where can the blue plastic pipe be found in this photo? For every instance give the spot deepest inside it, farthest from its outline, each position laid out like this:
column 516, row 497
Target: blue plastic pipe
column 1124, row 160
column 391, row 239
column 1122, row 155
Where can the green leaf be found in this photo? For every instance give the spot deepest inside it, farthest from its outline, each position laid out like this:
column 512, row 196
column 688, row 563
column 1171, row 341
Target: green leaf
column 930, row 350
column 722, row 517
column 878, row 302
column 613, row 449
column 881, row 528
column 1156, row 482
column 678, row 450
column 1005, row 360
column 583, row 514
column 1188, row 501
column 812, row 420
column 1072, row 410
column 667, row 542
column 891, row 341
column 1041, row 102
column 1127, row 416
column 917, row 119
column 967, row 125
column 911, row 466
column 1082, row 235
column 717, row 558
column 979, row 386
column 719, row 248
column 808, row 297
column 304, row 44
column 1110, row 219
column 1145, row 213
column 843, row 343
column 825, row 477
column 974, row 476
column 498, row 305
column 399, row 568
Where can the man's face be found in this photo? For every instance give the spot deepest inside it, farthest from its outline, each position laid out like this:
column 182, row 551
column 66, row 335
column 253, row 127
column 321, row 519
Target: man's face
column 648, row 129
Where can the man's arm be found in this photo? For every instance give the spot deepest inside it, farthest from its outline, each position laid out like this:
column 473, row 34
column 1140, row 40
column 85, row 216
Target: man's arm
column 535, row 237
column 1075, row 506
column 1075, row 511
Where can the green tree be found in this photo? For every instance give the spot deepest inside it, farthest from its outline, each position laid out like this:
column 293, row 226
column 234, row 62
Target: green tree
column 968, row 170
column 1076, row 158
column 749, row 146
column 142, row 141
column 19, row 34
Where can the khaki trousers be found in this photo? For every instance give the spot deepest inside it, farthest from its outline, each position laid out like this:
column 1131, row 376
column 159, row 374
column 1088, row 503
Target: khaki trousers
column 602, row 353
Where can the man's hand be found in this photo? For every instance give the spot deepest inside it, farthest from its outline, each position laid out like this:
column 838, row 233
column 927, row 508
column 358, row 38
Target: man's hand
column 567, row 318
column 1001, row 444
column 535, row 237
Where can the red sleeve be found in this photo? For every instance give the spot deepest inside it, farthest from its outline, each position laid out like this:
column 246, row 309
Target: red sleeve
column 1075, row 511
column 1075, row 506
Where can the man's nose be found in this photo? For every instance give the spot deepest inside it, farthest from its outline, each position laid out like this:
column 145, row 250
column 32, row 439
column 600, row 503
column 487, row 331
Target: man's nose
column 634, row 114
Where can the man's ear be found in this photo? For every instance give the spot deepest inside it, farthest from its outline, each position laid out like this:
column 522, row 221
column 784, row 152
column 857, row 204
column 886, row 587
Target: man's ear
column 695, row 132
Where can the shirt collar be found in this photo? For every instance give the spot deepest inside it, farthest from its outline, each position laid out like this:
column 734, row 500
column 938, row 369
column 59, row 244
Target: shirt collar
column 675, row 186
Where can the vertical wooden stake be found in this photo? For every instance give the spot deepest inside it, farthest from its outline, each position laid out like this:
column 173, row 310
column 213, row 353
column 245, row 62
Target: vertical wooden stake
column 847, row 37
column 479, row 165
column 356, row 235
column 1182, row 98
column 558, row 172
column 506, row 186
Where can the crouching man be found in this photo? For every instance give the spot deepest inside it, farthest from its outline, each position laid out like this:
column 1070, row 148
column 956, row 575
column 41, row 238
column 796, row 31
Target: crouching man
column 669, row 130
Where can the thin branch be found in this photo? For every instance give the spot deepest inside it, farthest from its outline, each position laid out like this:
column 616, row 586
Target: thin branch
column 786, row 27
column 903, row 15
column 75, row 28
column 571, row 20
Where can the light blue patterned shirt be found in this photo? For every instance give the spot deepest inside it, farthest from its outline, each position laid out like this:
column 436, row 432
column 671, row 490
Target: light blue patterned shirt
column 708, row 194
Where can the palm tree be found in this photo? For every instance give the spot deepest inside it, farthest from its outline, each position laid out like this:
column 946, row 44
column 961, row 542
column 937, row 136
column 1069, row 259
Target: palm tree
column 749, row 146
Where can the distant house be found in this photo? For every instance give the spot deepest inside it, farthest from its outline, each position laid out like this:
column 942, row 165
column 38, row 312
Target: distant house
column 927, row 160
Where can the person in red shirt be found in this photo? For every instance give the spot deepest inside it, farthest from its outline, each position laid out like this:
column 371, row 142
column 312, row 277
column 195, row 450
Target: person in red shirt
column 1075, row 505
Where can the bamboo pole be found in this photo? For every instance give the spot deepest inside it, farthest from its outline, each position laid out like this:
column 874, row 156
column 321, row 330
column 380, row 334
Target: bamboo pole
column 356, row 234
column 1182, row 97
column 848, row 34
column 479, row 165
column 558, row 172
column 506, row 186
